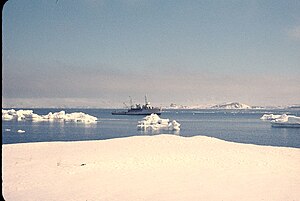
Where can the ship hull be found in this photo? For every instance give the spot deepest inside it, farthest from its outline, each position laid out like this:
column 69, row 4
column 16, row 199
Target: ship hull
column 137, row 112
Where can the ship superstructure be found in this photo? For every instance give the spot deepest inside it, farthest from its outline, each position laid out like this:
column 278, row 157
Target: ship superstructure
column 138, row 109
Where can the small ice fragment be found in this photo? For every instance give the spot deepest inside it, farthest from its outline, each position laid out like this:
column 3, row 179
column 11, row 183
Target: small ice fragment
column 21, row 131
column 7, row 129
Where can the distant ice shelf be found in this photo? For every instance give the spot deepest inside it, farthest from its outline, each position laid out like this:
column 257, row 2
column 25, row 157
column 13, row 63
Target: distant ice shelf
column 231, row 105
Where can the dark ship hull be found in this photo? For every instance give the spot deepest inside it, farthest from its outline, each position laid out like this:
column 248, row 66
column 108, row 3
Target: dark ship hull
column 138, row 112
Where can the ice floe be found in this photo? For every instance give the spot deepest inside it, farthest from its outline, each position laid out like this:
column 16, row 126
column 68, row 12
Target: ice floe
column 21, row 131
column 154, row 122
column 287, row 119
column 270, row 116
column 283, row 120
column 56, row 116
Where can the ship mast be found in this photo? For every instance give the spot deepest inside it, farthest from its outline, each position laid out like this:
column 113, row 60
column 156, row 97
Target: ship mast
column 131, row 103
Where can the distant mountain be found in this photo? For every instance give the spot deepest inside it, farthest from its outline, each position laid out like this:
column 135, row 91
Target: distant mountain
column 294, row 107
column 232, row 105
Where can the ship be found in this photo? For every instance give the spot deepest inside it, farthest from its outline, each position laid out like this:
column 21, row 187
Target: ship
column 138, row 109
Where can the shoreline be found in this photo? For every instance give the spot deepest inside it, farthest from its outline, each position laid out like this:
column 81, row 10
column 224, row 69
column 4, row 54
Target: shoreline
column 124, row 137
column 160, row 167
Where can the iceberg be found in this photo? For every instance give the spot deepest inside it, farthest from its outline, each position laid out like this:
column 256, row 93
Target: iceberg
column 57, row 116
column 286, row 121
column 283, row 120
column 270, row 116
column 79, row 117
column 154, row 122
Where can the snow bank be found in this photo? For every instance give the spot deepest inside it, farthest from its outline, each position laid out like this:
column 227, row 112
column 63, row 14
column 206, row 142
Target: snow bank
column 160, row 168
column 57, row 116
column 154, row 122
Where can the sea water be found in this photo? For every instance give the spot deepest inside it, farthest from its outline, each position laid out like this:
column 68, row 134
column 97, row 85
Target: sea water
column 243, row 126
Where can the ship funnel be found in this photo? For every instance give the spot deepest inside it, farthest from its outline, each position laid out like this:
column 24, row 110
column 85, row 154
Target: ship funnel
column 146, row 101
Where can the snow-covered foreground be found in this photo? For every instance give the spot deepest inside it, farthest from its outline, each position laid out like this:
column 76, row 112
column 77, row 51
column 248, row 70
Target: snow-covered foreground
column 163, row 167
column 21, row 115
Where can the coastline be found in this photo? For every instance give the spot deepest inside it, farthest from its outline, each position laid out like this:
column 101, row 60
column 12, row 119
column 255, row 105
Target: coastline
column 162, row 167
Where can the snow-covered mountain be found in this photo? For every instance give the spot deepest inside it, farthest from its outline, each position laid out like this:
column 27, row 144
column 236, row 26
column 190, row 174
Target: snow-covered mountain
column 231, row 105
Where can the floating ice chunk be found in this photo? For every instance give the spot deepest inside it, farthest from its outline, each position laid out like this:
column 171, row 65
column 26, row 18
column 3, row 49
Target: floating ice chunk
column 57, row 116
column 286, row 121
column 19, row 115
column 7, row 116
column 281, row 118
column 21, row 131
column 24, row 114
column 154, row 122
column 7, row 129
column 174, row 125
column 80, row 117
column 270, row 116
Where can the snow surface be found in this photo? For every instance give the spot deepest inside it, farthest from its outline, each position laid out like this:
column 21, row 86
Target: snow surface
column 154, row 122
column 160, row 168
column 57, row 116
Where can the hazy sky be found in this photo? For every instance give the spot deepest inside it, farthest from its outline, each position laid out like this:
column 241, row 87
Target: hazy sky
column 97, row 53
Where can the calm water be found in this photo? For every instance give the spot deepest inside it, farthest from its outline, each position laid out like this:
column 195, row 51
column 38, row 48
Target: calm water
column 230, row 125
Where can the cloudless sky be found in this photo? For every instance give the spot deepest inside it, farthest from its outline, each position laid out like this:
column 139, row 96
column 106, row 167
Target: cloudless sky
column 97, row 53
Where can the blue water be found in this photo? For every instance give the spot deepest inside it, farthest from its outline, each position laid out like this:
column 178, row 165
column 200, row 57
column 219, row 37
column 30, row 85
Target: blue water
column 243, row 126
